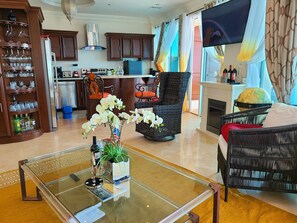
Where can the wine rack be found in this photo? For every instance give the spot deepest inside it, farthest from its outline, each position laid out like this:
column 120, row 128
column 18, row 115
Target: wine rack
column 19, row 98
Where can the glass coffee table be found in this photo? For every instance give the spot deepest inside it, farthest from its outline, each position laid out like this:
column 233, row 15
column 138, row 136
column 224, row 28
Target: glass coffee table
column 157, row 191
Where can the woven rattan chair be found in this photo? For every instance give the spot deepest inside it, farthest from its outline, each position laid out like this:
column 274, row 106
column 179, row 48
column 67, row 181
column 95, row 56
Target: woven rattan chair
column 173, row 86
column 96, row 90
column 259, row 158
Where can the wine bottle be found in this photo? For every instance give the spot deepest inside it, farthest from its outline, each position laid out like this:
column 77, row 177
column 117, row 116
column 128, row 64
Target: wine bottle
column 95, row 150
column 32, row 123
column 22, row 123
column 17, row 124
column 27, row 122
column 224, row 76
column 234, row 74
column 11, row 16
column 230, row 74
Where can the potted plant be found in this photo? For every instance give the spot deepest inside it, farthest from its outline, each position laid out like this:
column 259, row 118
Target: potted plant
column 114, row 158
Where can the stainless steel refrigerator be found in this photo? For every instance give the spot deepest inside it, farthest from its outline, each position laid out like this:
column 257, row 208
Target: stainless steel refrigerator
column 50, row 69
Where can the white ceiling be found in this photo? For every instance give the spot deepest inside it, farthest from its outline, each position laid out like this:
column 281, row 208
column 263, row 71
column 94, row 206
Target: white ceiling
column 134, row 8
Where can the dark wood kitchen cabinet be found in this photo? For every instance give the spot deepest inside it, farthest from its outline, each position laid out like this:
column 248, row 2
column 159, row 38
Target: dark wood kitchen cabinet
column 114, row 47
column 147, row 48
column 131, row 47
column 63, row 43
column 128, row 45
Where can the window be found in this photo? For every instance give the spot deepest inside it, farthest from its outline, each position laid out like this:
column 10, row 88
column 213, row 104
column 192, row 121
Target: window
column 211, row 65
column 173, row 56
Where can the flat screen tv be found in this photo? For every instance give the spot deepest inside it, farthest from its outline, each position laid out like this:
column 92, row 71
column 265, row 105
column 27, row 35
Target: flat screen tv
column 225, row 23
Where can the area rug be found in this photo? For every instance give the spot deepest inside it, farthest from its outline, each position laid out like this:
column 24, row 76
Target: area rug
column 239, row 209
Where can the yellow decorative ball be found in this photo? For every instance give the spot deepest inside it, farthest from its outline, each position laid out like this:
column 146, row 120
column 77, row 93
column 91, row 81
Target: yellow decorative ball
column 254, row 96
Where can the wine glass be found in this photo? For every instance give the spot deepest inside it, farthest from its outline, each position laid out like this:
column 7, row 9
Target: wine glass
column 9, row 31
column 22, row 32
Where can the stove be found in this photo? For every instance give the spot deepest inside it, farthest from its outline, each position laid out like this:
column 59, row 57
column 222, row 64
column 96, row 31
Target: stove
column 97, row 71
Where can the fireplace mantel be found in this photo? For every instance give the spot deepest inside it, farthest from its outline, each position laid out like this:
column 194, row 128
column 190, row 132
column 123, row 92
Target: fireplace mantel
column 221, row 92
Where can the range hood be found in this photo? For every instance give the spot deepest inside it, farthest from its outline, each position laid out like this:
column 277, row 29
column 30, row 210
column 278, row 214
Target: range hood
column 93, row 38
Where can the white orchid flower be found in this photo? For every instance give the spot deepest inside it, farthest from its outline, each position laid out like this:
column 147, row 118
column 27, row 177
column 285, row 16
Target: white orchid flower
column 111, row 101
column 124, row 115
column 119, row 103
column 136, row 117
column 157, row 122
column 104, row 103
column 148, row 116
column 105, row 115
column 100, row 109
column 96, row 119
column 87, row 126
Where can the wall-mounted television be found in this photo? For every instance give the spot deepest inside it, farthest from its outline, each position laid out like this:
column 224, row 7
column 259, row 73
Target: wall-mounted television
column 225, row 23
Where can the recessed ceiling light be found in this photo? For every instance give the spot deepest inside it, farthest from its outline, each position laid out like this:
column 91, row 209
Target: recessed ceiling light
column 156, row 7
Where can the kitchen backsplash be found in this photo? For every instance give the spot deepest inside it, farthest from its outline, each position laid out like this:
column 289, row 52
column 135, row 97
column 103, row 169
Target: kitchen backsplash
column 91, row 59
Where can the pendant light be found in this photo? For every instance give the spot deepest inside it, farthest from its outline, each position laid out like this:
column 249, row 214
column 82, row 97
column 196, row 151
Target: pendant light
column 69, row 8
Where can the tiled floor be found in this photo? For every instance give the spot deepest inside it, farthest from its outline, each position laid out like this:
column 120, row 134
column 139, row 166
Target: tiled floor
column 191, row 149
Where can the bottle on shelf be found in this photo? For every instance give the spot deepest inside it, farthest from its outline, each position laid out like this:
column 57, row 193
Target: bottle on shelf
column 22, row 123
column 17, row 124
column 224, row 76
column 32, row 123
column 11, row 16
column 230, row 71
column 234, row 75
column 27, row 122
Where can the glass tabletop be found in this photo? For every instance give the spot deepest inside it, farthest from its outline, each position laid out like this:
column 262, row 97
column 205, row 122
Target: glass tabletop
column 157, row 191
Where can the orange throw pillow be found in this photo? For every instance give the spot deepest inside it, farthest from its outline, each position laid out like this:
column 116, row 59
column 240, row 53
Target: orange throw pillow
column 145, row 94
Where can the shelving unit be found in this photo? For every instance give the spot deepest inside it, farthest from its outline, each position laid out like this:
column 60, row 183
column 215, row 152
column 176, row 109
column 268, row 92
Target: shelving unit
column 19, row 81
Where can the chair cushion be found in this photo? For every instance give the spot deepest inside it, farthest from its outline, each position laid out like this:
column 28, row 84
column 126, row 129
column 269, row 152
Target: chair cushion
column 98, row 96
column 145, row 94
column 279, row 115
column 235, row 126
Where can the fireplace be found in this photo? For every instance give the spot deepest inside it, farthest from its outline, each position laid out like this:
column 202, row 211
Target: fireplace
column 215, row 110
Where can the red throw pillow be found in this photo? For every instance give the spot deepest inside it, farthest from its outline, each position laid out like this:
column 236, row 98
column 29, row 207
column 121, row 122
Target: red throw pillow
column 231, row 126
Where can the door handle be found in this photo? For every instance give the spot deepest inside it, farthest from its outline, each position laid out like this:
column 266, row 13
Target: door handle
column 1, row 109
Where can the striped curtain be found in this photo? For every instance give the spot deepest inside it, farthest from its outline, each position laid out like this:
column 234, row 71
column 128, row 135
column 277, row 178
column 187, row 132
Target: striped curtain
column 281, row 46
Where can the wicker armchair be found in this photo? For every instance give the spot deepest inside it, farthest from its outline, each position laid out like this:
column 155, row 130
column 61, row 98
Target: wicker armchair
column 173, row 86
column 260, row 158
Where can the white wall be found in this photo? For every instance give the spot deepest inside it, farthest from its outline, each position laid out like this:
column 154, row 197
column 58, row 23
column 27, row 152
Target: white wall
column 96, row 59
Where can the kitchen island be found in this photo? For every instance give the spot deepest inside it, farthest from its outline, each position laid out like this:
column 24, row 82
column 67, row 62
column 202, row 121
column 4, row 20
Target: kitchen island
column 123, row 85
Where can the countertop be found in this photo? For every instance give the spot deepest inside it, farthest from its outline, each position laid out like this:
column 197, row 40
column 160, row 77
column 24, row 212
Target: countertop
column 107, row 77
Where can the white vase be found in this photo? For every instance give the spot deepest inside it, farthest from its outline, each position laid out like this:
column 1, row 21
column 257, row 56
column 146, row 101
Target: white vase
column 117, row 171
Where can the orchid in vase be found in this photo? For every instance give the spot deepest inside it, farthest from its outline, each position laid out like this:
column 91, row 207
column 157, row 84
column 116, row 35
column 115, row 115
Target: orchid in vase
column 113, row 150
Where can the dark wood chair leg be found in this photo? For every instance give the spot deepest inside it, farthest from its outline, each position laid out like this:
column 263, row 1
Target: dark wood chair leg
column 226, row 193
